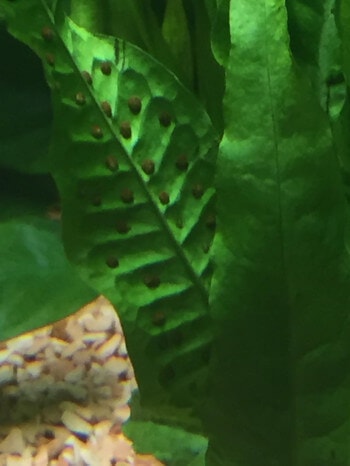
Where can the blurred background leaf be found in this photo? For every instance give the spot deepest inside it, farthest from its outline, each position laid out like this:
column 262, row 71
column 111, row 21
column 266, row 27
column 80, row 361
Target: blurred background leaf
column 25, row 110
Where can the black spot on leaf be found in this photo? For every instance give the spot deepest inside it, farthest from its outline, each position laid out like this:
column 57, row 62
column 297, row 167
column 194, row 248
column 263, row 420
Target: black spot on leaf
column 127, row 196
column 159, row 318
column 112, row 262
column 179, row 223
column 211, row 221
column 87, row 77
column 50, row 59
column 151, row 281
column 47, row 34
column 182, row 162
column 123, row 227
column 112, row 163
column 135, row 105
column 165, row 119
column 164, row 198
column 148, row 166
column 96, row 132
column 206, row 248
column 107, row 109
column 197, row 191
column 80, row 98
column 125, row 129
column 106, row 68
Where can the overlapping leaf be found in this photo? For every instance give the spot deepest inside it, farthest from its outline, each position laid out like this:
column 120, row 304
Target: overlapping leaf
column 133, row 157
column 281, row 289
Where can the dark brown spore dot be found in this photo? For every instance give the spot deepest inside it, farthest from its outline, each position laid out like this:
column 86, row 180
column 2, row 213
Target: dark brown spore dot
column 164, row 198
column 80, row 98
column 113, row 462
column 123, row 227
column 87, row 77
column 112, row 262
column 211, row 222
column 159, row 318
column 107, row 109
column 182, row 162
column 96, row 201
column 165, row 119
column 135, row 105
column 112, row 163
column 47, row 34
column 151, row 281
column 97, row 132
column 106, row 68
column 50, row 59
column 125, row 129
column 197, row 191
column 148, row 166
column 127, row 196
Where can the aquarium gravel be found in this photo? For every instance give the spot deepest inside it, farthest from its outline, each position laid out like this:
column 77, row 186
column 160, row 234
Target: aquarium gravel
column 64, row 393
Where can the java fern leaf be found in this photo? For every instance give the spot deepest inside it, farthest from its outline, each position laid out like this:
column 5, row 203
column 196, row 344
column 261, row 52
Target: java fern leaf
column 133, row 156
column 280, row 387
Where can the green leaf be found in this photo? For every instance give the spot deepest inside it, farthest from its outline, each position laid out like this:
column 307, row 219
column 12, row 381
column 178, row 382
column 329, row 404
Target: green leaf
column 343, row 22
column 280, row 294
column 210, row 75
column 25, row 113
column 38, row 285
column 176, row 33
column 115, row 167
column 316, row 46
column 220, row 30
column 174, row 447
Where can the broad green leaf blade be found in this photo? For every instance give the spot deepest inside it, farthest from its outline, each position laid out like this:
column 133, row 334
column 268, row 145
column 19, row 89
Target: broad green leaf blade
column 38, row 285
column 134, row 158
column 280, row 387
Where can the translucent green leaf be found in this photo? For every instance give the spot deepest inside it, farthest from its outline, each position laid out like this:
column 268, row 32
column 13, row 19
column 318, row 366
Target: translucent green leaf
column 280, row 298
column 134, row 160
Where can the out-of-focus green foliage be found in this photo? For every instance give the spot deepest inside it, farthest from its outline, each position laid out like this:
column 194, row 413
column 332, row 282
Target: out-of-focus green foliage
column 280, row 298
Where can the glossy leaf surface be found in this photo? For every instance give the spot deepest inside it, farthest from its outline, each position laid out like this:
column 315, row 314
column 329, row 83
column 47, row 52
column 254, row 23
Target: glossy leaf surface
column 134, row 157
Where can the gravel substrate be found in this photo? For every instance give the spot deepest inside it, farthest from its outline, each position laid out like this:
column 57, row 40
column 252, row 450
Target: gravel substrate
column 64, row 393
